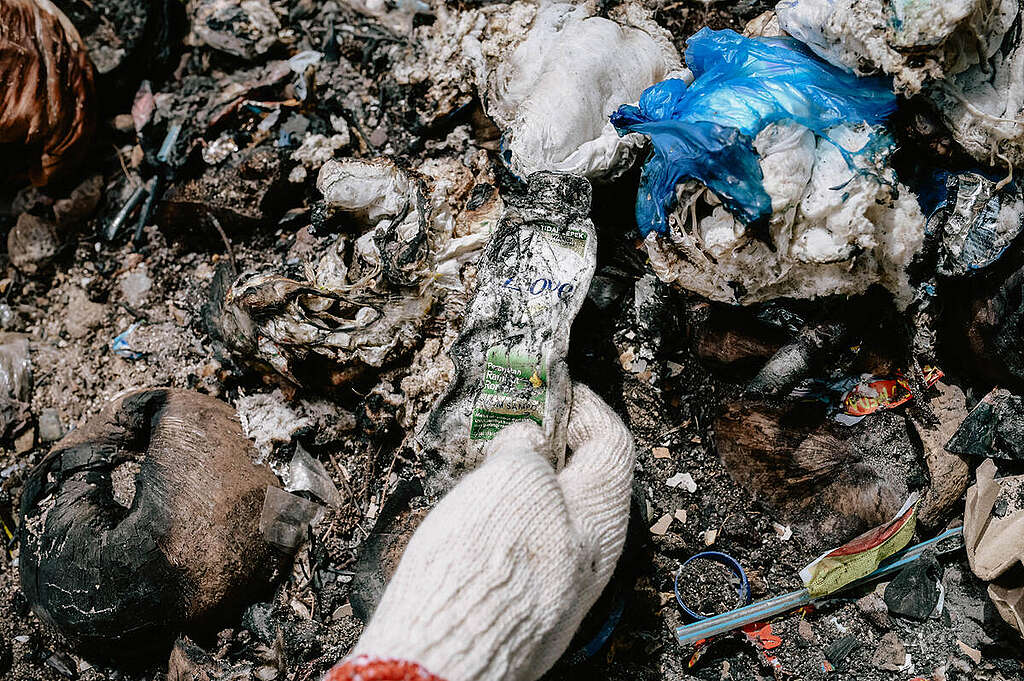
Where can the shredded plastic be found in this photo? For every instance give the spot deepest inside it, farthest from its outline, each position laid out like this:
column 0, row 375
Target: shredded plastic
column 706, row 131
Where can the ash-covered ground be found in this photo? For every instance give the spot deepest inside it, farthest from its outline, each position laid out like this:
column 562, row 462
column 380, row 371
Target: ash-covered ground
column 107, row 315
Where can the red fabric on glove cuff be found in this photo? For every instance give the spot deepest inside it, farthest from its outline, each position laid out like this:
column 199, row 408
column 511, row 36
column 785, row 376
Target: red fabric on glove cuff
column 366, row 668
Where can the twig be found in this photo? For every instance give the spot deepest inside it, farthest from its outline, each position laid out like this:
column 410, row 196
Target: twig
column 124, row 167
column 227, row 243
column 1009, row 166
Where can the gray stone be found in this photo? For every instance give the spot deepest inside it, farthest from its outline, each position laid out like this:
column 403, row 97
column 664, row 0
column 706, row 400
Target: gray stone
column 135, row 286
column 50, row 427
column 32, row 243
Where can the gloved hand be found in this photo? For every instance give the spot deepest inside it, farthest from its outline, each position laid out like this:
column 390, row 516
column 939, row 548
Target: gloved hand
column 497, row 578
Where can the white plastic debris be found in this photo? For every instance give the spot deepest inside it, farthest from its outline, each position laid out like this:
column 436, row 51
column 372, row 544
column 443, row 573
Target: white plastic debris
column 553, row 94
column 317, row 150
column 962, row 54
column 300, row 65
column 784, row 532
column 833, row 229
column 366, row 291
column 510, row 354
column 244, row 28
column 307, row 474
column 684, row 480
column 548, row 74
column 268, row 420
column 911, row 41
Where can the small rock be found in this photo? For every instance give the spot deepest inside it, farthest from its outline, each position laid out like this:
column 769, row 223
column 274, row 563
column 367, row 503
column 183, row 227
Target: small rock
column 661, row 527
column 80, row 204
column 83, row 315
column 342, row 611
column 710, row 537
column 891, row 654
column 24, row 442
column 661, row 453
column 875, row 611
column 681, row 515
column 50, row 427
column 260, row 620
column 135, row 286
column 806, row 632
column 124, row 123
column 32, row 243
column 913, row 592
column 379, row 137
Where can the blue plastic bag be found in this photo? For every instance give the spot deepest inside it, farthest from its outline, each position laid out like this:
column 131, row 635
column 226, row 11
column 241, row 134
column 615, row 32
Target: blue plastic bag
column 706, row 131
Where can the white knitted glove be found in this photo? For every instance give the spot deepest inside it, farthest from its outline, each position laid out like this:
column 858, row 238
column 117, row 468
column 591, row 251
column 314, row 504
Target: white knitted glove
column 498, row 577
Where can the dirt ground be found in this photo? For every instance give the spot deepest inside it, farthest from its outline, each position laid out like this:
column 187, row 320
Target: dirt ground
column 160, row 298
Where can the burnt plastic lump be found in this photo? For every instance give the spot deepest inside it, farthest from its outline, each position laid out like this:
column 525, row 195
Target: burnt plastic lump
column 143, row 523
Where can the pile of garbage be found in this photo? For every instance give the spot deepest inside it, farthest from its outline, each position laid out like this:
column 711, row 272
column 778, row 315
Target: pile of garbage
column 278, row 274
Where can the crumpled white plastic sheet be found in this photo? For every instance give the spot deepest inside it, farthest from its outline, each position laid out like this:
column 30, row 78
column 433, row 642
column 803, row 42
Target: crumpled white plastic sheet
column 549, row 74
column 366, row 296
column 552, row 96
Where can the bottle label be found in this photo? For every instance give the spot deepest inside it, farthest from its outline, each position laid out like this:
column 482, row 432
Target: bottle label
column 515, row 389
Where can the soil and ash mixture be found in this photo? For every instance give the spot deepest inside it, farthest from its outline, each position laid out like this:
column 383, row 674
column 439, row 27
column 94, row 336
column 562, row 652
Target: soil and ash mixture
column 707, row 587
column 104, row 316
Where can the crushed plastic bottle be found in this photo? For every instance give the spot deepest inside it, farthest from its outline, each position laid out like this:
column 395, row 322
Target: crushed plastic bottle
column 510, row 356
column 286, row 517
column 705, row 131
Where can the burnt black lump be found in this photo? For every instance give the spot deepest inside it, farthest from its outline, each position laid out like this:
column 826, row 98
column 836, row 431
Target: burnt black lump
column 118, row 566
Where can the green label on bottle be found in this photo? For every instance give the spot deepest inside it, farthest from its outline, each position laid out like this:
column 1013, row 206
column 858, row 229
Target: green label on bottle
column 515, row 389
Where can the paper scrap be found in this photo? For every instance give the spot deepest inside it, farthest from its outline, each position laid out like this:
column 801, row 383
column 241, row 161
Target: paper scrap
column 661, row 527
column 682, row 480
